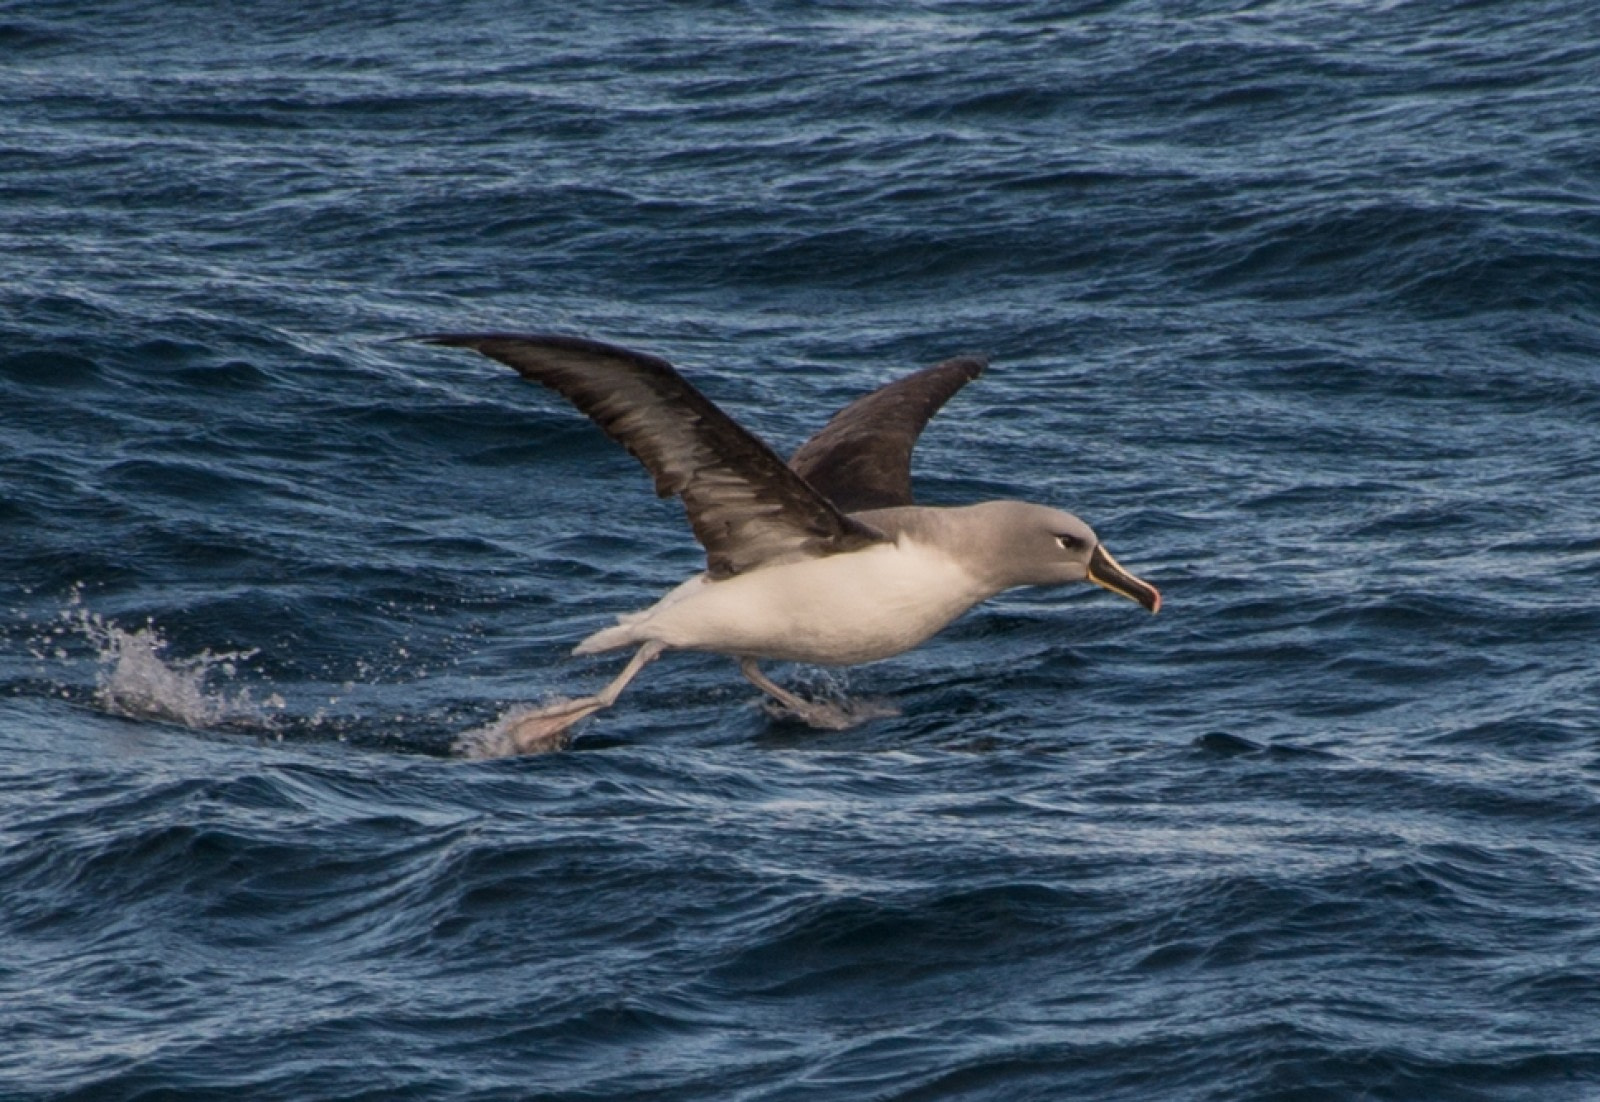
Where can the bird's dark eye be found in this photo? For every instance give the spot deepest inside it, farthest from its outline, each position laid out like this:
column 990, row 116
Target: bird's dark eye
column 1071, row 543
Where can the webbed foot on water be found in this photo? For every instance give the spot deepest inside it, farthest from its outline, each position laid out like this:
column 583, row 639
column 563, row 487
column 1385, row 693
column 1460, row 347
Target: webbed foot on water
column 544, row 730
column 532, row 731
column 830, row 715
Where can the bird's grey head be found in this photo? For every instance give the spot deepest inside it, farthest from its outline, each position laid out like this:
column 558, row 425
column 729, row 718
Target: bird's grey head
column 1044, row 546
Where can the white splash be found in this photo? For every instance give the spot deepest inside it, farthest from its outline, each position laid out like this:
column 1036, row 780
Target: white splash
column 138, row 678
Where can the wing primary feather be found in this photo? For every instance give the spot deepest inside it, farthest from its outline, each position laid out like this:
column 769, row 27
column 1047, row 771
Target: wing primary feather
column 861, row 459
column 746, row 506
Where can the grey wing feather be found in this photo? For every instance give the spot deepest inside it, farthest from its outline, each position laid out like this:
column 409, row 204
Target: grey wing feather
column 746, row 507
column 862, row 457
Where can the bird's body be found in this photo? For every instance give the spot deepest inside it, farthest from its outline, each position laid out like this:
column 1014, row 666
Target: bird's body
column 838, row 610
column 824, row 560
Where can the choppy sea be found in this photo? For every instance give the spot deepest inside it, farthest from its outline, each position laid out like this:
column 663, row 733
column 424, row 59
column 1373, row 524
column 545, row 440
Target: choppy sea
column 1297, row 302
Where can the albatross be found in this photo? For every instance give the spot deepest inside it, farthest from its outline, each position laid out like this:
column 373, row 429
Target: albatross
column 825, row 559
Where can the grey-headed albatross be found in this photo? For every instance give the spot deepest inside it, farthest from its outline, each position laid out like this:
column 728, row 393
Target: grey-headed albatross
column 824, row 559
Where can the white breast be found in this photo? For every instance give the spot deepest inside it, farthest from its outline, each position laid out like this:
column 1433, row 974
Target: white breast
column 837, row 610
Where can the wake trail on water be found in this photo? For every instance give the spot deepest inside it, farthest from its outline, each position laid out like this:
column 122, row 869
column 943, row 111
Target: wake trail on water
column 138, row 676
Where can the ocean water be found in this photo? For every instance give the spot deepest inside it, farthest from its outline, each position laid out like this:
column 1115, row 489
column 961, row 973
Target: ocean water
column 1297, row 302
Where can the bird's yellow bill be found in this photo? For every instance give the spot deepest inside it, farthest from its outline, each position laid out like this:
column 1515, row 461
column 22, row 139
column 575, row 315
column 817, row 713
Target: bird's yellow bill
column 1106, row 572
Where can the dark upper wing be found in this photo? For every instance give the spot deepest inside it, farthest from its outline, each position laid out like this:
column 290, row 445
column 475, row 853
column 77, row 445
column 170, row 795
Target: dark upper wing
column 862, row 457
column 745, row 506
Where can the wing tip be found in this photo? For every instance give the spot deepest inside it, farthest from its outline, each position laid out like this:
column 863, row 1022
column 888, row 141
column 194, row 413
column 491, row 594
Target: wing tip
column 972, row 366
column 562, row 342
column 455, row 340
column 476, row 340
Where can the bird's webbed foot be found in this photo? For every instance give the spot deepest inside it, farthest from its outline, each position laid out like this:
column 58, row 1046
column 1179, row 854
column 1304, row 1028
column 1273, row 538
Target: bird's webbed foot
column 531, row 731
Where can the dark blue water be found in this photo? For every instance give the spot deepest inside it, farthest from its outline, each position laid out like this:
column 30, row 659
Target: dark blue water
column 1298, row 303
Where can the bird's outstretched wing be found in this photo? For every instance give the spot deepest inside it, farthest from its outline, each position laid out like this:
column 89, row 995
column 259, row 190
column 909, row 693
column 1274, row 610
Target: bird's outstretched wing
column 862, row 457
column 747, row 508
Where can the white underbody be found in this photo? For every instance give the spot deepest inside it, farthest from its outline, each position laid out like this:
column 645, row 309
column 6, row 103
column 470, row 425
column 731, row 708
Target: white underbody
column 837, row 610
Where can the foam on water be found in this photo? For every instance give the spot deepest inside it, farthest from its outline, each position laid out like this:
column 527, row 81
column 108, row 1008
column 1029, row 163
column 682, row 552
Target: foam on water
column 138, row 677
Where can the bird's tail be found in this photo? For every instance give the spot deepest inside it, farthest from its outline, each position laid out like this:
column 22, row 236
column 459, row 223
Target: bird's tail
column 619, row 634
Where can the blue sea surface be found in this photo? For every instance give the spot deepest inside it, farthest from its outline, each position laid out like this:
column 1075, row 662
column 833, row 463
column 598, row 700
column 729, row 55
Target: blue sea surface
column 1297, row 302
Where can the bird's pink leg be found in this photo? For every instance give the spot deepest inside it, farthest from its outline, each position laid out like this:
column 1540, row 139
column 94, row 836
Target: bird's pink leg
column 545, row 729
column 829, row 717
